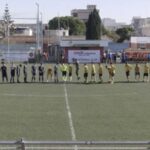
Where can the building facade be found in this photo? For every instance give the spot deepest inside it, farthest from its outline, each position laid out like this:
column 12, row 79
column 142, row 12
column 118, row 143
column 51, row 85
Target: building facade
column 23, row 31
column 83, row 14
column 112, row 25
column 141, row 26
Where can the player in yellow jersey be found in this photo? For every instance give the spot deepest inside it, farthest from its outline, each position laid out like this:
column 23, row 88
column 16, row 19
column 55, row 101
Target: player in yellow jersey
column 100, row 72
column 49, row 73
column 93, row 73
column 137, row 72
column 128, row 68
column 108, row 68
column 70, row 72
column 112, row 71
column 86, row 71
column 146, row 73
column 64, row 70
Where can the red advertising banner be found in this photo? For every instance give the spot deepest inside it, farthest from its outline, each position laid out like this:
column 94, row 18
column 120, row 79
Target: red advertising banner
column 138, row 55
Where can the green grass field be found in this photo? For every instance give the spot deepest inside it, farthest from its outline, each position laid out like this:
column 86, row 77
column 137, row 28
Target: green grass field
column 38, row 111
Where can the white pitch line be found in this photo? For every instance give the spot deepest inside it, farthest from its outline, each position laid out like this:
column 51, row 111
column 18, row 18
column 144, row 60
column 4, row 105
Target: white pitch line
column 73, row 135
column 29, row 95
column 57, row 96
column 104, row 95
column 86, row 148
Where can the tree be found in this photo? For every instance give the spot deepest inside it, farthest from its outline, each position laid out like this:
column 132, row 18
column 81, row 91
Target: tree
column 75, row 26
column 93, row 26
column 6, row 16
column 124, row 33
column 7, row 22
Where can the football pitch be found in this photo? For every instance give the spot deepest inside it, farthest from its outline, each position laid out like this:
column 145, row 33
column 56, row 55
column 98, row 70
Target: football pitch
column 76, row 111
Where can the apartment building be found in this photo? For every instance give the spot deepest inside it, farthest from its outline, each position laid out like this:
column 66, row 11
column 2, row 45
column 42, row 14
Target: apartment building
column 83, row 14
column 112, row 25
column 141, row 26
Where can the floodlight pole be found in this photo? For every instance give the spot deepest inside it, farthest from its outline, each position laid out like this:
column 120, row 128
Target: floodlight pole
column 8, row 42
column 41, row 31
column 37, row 29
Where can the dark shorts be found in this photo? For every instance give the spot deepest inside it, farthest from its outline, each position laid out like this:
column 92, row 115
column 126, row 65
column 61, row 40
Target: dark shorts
column 77, row 72
column 100, row 75
column 85, row 75
column 127, row 73
column 4, row 74
column 70, row 74
column 137, row 73
column 93, row 74
column 64, row 73
column 145, row 74
column 33, row 73
column 112, row 74
column 12, row 73
column 55, row 73
column 41, row 74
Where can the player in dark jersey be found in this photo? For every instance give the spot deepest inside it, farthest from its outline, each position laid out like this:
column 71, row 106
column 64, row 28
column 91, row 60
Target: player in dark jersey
column 4, row 72
column 56, row 73
column 77, row 69
column 12, row 73
column 70, row 72
column 33, row 72
column 41, row 72
column 25, row 73
column 18, row 72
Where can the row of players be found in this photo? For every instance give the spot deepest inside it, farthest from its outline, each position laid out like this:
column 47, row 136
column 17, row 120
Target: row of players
column 67, row 70
column 15, row 70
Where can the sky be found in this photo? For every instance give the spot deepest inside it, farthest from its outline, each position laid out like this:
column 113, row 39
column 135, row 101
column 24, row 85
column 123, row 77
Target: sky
column 121, row 10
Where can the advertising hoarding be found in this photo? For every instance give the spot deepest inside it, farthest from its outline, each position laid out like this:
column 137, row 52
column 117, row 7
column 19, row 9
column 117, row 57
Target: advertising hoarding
column 84, row 56
column 138, row 55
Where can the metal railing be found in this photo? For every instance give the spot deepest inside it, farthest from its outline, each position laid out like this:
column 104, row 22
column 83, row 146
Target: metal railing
column 74, row 145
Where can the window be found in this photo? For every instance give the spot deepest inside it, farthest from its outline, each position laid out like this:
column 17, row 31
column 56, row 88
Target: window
column 142, row 45
column 75, row 15
column 64, row 33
